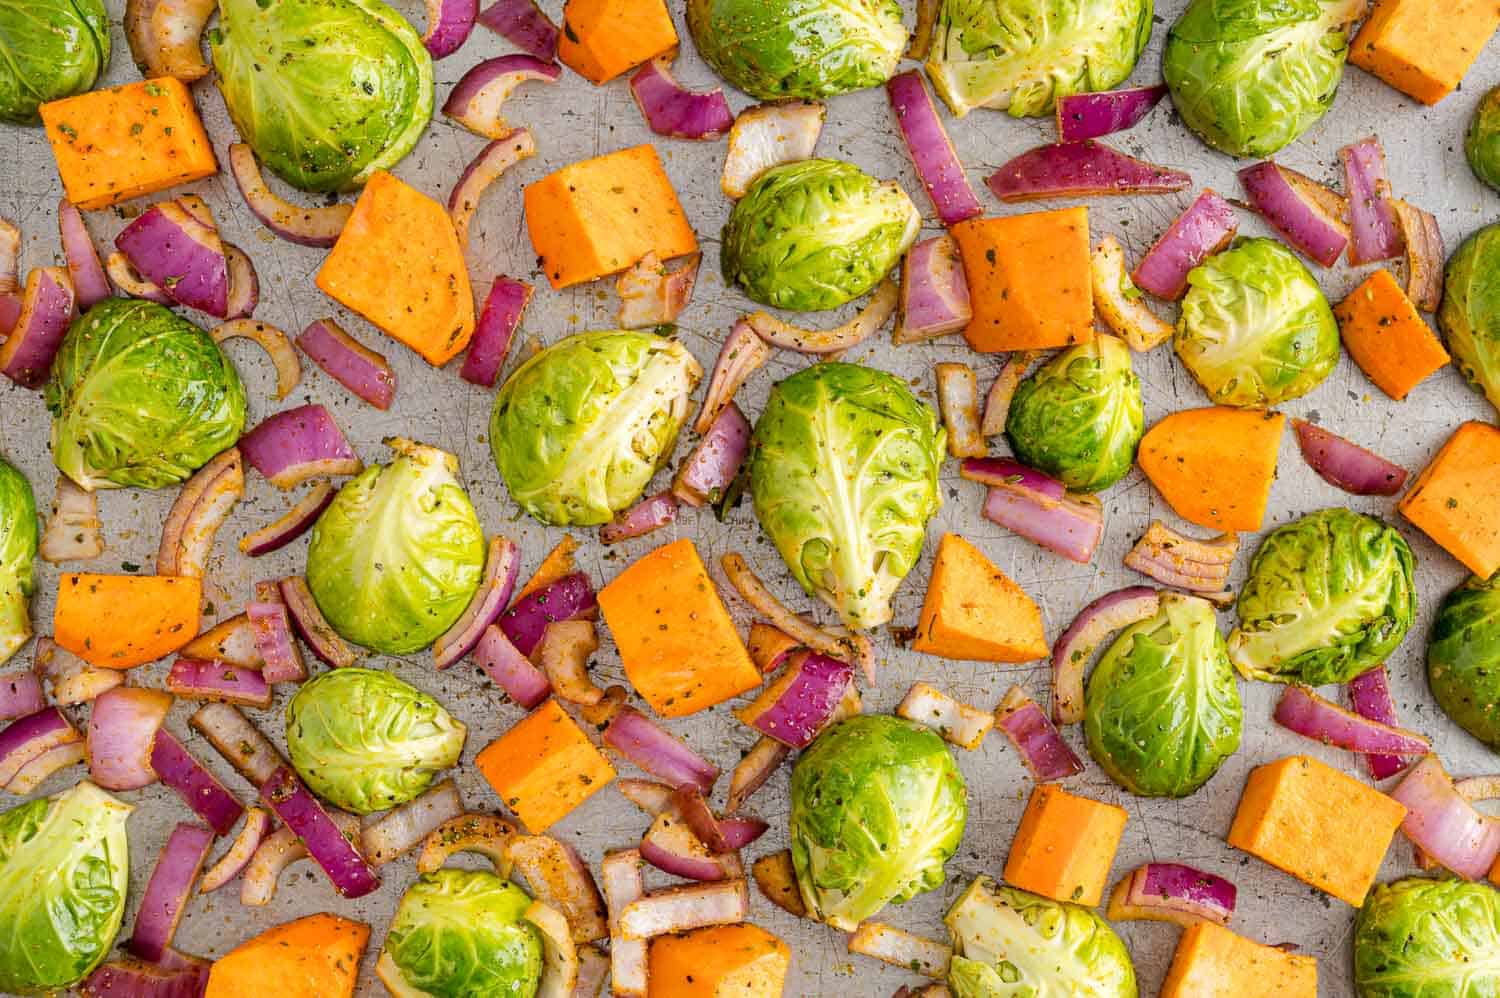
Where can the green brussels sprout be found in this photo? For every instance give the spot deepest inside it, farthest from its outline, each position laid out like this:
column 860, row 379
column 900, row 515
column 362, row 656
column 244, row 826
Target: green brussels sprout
column 843, row 471
column 49, row 49
column 1079, row 417
column 878, row 806
column 1420, row 938
column 1010, row 943
column 463, row 934
column 325, row 91
column 1255, row 328
column 1482, row 141
column 366, row 741
column 18, row 539
column 397, row 556
column 1329, row 596
column 1020, row 56
column 799, row 48
column 140, row 398
column 1250, row 76
column 1463, row 658
column 815, row 234
column 578, row 430
column 1470, row 314
column 64, row 869
column 1162, row 712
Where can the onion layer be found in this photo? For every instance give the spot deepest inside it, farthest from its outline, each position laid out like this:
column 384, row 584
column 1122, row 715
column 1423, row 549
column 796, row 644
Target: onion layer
column 297, row 444
column 1308, row 215
column 1172, row 892
column 1375, row 234
column 74, row 532
column 495, row 331
column 1079, row 169
column 1119, row 303
column 28, row 738
column 502, row 566
column 449, row 23
column 671, row 109
column 201, row 507
column 802, row 701
column 504, row 152
column 1370, row 696
column 523, row 24
column 199, row 789
column 1041, row 748
column 1070, row 526
column 1202, row 230
column 89, row 280
column 1303, row 711
column 122, row 728
column 768, row 135
column 291, row 525
column 658, row 752
column 1090, row 115
column 679, row 909
column 715, row 461
column 47, row 309
column 304, row 226
column 742, row 354
column 876, row 313
column 651, row 295
column 934, row 293
column 1346, row 465
column 1443, row 824
column 1424, row 256
column 167, row 892
column 650, row 514
column 276, row 345
column 299, row 811
column 900, row 948
column 237, row 856
column 180, row 253
column 1094, row 623
column 931, row 151
column 958, row 401
column 510, row 670
column 476, row 101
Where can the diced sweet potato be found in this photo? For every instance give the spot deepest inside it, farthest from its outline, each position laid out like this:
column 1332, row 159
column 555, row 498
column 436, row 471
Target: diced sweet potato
column 1456, row 498
column 600, row 216
column 1317, row 824
column 972, row 611
column 544, row 767
column 1065, row 846
column 116, row 144
column 1421, row 47
column 1029, row 280
column 721, row 961
column 1385, row 334
column 313, row 957
column 1212, row 962
column 558, row 563
column 603, row 38
column 121, row 621
column 1214, row 466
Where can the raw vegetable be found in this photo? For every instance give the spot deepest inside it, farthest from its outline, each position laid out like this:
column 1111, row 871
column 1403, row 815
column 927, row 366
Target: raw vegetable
column 931, row 150
column 1172, row 892
column 123, row 724
column 1470, row 316
column 1444, row 824
column 1346, row 465
column 958, row 402
column 478, row 98
column 603, row 38
column 1028, row 278
column 1422, row 56
column 349, row 362
column 199, row 789
column 1211, row 960
column 522, row 23
column 652, row 295
column 305, row 226
column 934, row 296
column 823, row 342
column 1415, row 933
column 1454, row 499
column 74, row 531
column 801, row 701
column 1041, row 748
column 1090, row 115
column 18, row 549
column 1204, row 229
column 202, row 506
column 959, row 723
column 53, row 49
column 316, row 956
column 1183, row 562
column 768, row 135
column 1081, row 169
column 495, row 331
column 1482, row 140
column 671, row 109
column 1038, row 508
column 40, row 324
column 544, row 767
column 1387, row 337
column 1463, row 657
column 196, row 679
column 1303, row 711
column 1214, row 466
column 1373, row 230
column 709, row 471
column 1119, row 302
column 175, row 245
column 120, row 621
column 1424, row 255
column 722, row 961
column 1065, row 846
column 1370, row 698
column 504, row 152
column 974, row 611
column 1308, row 215
column 658, row 752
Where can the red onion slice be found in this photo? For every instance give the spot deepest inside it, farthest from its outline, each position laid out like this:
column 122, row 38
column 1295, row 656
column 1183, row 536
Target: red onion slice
column 934, row 294
column 181, row 254
column 47, row 310
column 1172, row 892
column 201, row 507
column 523, row 24
column 716, row 459
column 74, row 532
column 650, row 514
column 1041, row 748
column 769, row 647
column 1303, row 711
column 508, row 149
column 350, row 873
column 742, row 354
column 205, row 679
column 1002, row 390
column 1003, row 472
column 1346, row 465
column 558, row 877
column 670, row 846
column 165, row 37
column 692, row 808
column 510, row 670
column 1075, row 647
column 1370, row 696
column 34, row 773
column 363, row 371
column 482, row 834
column 1090, row 115
column 876, row 313
column 476, row 101
column 1206, row 227
column 1308, row 215
column 291, row 525
column 495, row 331
column 122, row 728
column 20, row 694
column 1119, row 303
column 651, row 295
column 127, row 977
column 312, row 627
column 167, row 892
column 1375, row 234
column 276, row 345
column 958, row 722
column 130, row 283
column 237, row 856
column 900, row 948
column 244, row 284
column 231, row 641
column 679, row 909
column 199, row 789
column 854, row 648
column 70, row 679
column 401, row 830
column 502, row 566
column 758, row 765
column 89, row 280
column 272, row 627
column 449, row 23
column 238, row 741
column 1081, row 169
column 1424, row 256
column 1071, row 528
column 1443, row 824
column 1174, row 559
column 658, row 752
column 297, row 444
column 304, row 226
column 564, row 657
column 569, row 597
column 768, row 135
column 802, row 701
column 958, row 401
column 275, row 853
column 671, row 109
column 931, row 151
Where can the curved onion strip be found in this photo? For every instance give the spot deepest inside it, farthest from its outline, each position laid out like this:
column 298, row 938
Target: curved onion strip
column 522, row 23
column 1303, row 711
column 958, row 401
column 1094, row 623
column 1119, row 302
column 1174, row 559
column 650, row 514
column 825, row 341
column 1002, row 390
column 483, row 170
column 239, row 853
column 122, row 726
column 331, row 846
column 769, row 135
column 495, row 331
column 1308, row 215
column 449, row 23
column 70, row 679
column 483, row 834
column 244, row 284
column 1370, row 697
column 900, row 948
column 20, row 694
column 658, row 751
column 1443, row 824
column 275, row 853
column 956, row 721
column 1172, row 892
column 1090, row 115
column 176, row 245
column 559, row 877
column 304, row 226
column 593, row 971
column 742, row 354
column 1040, row 746
column 502, row 566
column 671, row 109
column 758, row 765
column 1070, row 527
column 754, row 592
column 651, row 295
column 671, row 846
column 35, row 772
column 274, row 342
column 201, row 508
column 559, row 955
column 290, row 525
column 176, row 31
column 801, row 701
column 1346, row 465
column 231, row 641
column 708, row 472
column 26, row 738
column 312, row 627
column 130, row 282
column 293, row 445
column 401, row 830
column 73, row 532
column 599, row 715
column 648, row 795
column 89, row 280
column 477, row 99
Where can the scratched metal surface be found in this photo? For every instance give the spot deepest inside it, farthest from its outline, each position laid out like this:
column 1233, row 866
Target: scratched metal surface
column 574, row 120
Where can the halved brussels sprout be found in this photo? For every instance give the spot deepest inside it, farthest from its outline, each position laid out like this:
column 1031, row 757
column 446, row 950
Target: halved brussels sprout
column 49, row 49
column 843, row 469
column 1022, row 55
column 1420, row 938
column 64, row 869
column 462, row 934
column 1463, row 658
column 1470, row 314
column 878, row 806
column 799, row 48
column 812, row 235
column 325, row 91
column 1482, row 141
column 1162, row 711
column 578, row 430
column 365, row 741
column 1250, row 76
column 1079, row 416
column 1255, row 328
column 1329, row 596
column 18, row 540
column 1010, row 942
column 140, row 398
column 397, row 556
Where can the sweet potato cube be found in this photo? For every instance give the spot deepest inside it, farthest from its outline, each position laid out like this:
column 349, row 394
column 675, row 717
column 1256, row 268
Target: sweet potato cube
column 1212, row 962
column 1424, row 47
column 316, row 956
column 121, row 621
column 1309, row 820
column 1456, row 498
column 399, row 264
column 678, row 645
column 600, row 216
column 721, row 961
column 1028, row 277
column 603, row 38
column 116, row 144
column 1386, row 336
column 1065, row 846
column 1214, row 466
column 972, row 611
column 544, row 767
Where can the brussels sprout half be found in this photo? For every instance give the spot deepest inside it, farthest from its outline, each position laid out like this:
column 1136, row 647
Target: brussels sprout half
column 815, row 234
column 140, row 398
column 1470, row 314
column 1482, row 140
column 49, row 49
column 1079, row 416
column 1020, row 56
column 844, row 468
column 1463, row 658
column 18, row 540
column 1329, row 596
column 878, row 806
column 1255, row 328
column 578, row 430
column 1420, row 938
column 799, row 48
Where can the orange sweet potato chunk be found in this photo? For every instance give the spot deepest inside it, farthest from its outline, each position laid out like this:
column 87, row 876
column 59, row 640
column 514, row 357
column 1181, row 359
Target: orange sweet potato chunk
column 116, row 144
column 603, row 38
column 721, row 961
column 1321, row 826
column 544, row 767
column 1385, row 334
column 1456, row 498
column 1029, row 280
column 1424, row 47
column 677, row 642
column 1214, row 466
column 121, row 621
column 972, row 611
column 1065, row 846
column 599, row 216
column 1212, row 962
column 313, row 957
column 399, row 264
